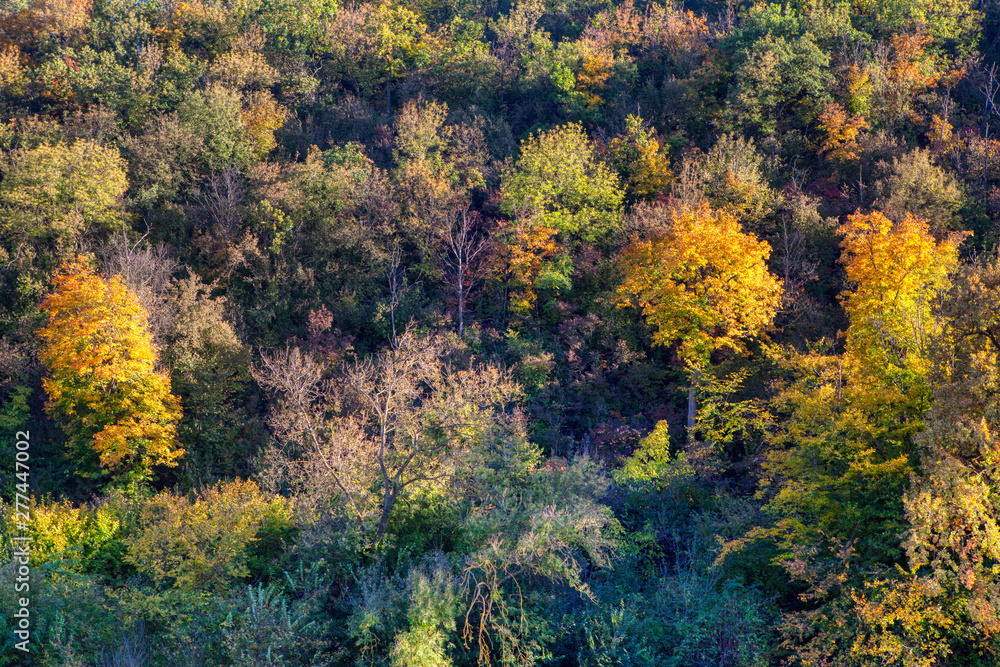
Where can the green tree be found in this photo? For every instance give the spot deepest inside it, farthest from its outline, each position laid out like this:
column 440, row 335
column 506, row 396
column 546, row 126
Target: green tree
column 781, row 77
column 215, row 115
column 52, row 200
column 558, row 182
column 917, row 186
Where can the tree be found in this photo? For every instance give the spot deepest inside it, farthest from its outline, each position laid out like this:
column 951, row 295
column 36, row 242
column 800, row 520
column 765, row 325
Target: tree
column 779, row 78
column 703, row 282
column 558, row 182
column 841, row 133
column 527, row 257
column 638, row 154
column 420, row 414
column 205, row 543
column 897, row 272
column 953, row 505
column 407, row 420
column 916, row 185
column 103, row 382
column 57, row 193
column 463, row 259
column 396, row 33
column 52, row 198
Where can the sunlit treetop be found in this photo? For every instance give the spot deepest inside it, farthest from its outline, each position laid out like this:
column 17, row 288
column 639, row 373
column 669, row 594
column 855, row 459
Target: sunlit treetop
column 704, row 283
column 896, row 271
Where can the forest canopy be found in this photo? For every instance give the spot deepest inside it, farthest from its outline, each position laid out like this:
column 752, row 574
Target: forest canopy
column 533, row 332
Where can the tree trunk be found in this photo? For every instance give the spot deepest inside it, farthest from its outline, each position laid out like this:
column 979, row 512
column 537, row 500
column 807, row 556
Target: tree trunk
column 461, row 300
column 383, row 522
column 692, row 406
column 693, row 402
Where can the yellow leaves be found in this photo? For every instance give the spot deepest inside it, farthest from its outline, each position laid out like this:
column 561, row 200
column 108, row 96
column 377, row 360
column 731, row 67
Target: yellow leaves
column 60, row 530
column 55, row 193
column 180, row 16
column 840, row 142
column 243, row 66
column 99, row 353
column 13, row 74
column 940, row 135
column 859, row 90
column 262, row 115
column 897, row 271
column 591, row 79
column 705, row 282
column 639, row 155
column 901, row 624
column 204, row 543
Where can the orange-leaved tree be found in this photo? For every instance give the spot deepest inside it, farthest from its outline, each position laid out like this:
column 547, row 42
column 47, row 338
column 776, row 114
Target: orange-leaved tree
column 705, row 283
column 119, row 415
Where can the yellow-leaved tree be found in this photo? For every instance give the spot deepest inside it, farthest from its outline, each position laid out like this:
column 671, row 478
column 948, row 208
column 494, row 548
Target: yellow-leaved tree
column 896, row 272
column 119, row 415
column 703, row 282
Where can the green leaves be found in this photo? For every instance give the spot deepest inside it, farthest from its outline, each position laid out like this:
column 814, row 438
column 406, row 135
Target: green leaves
column 558, row 182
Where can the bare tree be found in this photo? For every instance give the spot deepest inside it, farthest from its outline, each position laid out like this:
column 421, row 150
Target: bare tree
column 465, row 248
column 405, row 418
column 422, row 414
column 147, row 272
column 989, row 89
column 130, row 651
column 224, row 195
column 321, row 455
column 397, row 285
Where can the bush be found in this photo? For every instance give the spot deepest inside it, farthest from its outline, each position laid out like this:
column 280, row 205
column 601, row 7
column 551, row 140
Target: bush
column 208, row 542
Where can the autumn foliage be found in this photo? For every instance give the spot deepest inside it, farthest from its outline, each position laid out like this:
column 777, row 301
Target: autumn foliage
column 704, row 283
column 550, row 332
column 103, row 380
column 898, row 271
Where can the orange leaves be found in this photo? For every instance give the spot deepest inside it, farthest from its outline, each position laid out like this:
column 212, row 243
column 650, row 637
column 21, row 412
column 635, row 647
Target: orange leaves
column 902, row 622
column 705, row 282
column 910, row 66
column 527, row 247
column 99, row 353
column 262, row 115
column 88, row 316
column 840, row 142
column 903, row 73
